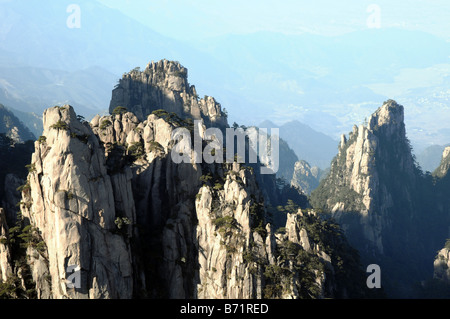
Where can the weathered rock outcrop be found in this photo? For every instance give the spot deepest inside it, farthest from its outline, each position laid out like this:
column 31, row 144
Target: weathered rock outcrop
column 164, row 85
column 108, row 213
column 286, row 158
column 306, row 177
column 108, row 202
column 442, row 265
column 5, row 254
column 204, row 224
column 360, row 179
column 70, row 200
column 389, row 209
column 12, row 127
column 11, row 197
column 444, row 166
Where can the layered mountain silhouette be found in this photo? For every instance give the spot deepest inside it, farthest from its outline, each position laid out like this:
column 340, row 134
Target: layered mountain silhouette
column 317, row 148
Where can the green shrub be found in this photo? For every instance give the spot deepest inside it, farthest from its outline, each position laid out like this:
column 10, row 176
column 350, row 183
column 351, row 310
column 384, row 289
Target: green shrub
column 119, row 110
column 105, row 124
column 171, row 118
column 227, row 221
column 60, row 125
column 248, row 257
column 136, row 150
column 218, row 186
column 81, row 118
column 31, row 168
column 24, row 188
column 225, row 225
column 121, row 222
column 70, row 195
column 257, row 215
column 155, row 146
column 11, row 288
column 160, row 113
column 447, row 244
column 205, row 178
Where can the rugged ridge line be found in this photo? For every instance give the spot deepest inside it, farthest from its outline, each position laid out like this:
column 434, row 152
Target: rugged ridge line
column 164, row 85
column 107, row 198
column 390, row 210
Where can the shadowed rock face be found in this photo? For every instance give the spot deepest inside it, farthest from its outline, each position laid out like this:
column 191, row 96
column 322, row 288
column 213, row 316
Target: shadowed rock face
column 74, row 210
column 441, row 265
column 392, row 212
column 139, row 224
column 106, row 198
column 358, row 176
column 444, row 166
column 306, row 177
column 5, row 255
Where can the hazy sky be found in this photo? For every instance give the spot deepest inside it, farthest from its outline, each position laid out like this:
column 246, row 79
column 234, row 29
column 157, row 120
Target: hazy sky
column 310, row 78
column 197, row 19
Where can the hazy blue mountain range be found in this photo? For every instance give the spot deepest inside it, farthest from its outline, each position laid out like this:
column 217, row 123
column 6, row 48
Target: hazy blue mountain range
column 12, row 127
column 59, row 65
column 316, row 148
column 430, row 158
column 30, row 89
column 328, row 82
column 289, row 17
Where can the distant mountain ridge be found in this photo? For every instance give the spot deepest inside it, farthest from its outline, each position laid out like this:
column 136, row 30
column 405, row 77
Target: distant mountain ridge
column 29, row 89
column 430, row 157
column 283, row 76
column 12, row 127
column 317, row 148
column 80, row 65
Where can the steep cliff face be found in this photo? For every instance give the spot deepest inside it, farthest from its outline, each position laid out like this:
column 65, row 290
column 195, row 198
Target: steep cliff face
column 114, row 205
column 107, row 213
column 164, row 85
column 14, row 157
column 443, row 168
column 441, row 175
column 359, row 180
column 12, row 127
column 70, row 200
column 442, row 265
column 382, row 200
column 305, row 177
column 286, row 156
column 5, row 254
column 203, row 230
column 163, row 194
